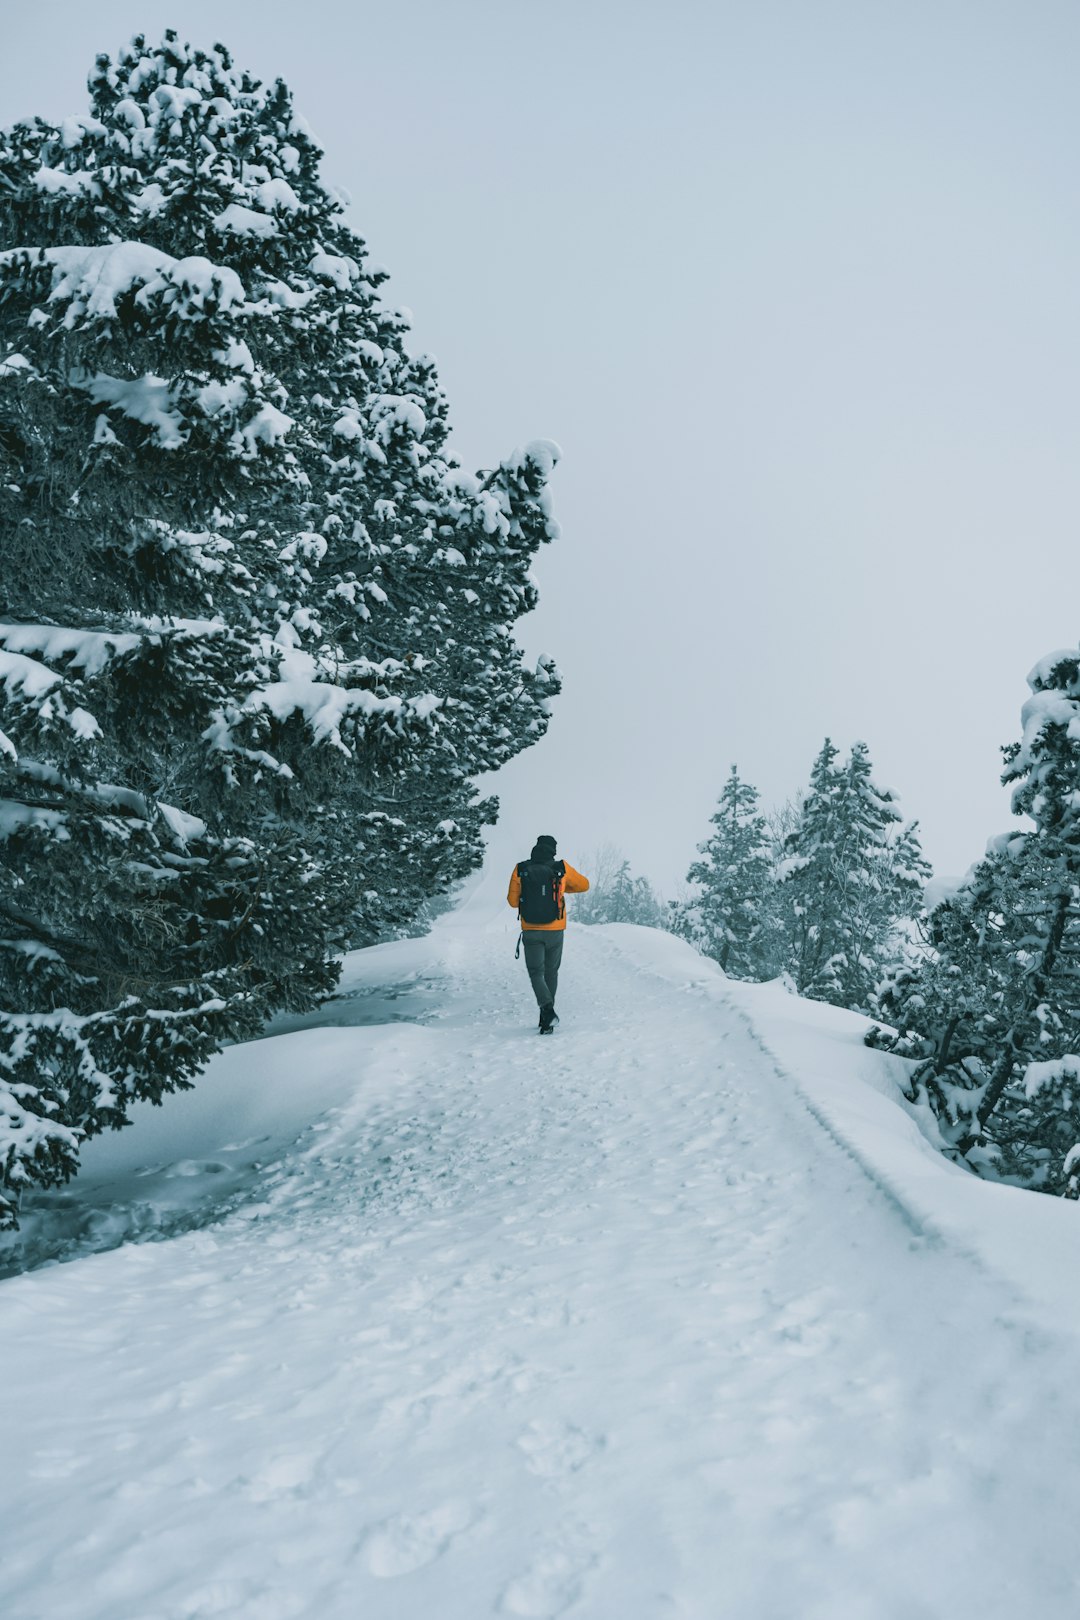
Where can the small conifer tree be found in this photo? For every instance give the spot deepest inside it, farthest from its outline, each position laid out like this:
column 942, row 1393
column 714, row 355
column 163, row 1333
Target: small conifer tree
column 993, row 1011
column 945, row 1006
column 854, row 873
column 729, row 917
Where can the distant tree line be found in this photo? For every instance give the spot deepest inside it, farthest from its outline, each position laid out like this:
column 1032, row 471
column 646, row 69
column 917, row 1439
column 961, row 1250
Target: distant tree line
column 823, row 894
column 616, row 895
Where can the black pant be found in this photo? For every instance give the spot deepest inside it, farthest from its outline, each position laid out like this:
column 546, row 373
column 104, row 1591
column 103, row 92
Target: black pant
column 543, row 953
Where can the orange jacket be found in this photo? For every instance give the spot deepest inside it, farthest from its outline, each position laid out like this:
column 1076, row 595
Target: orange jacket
column 572, row 883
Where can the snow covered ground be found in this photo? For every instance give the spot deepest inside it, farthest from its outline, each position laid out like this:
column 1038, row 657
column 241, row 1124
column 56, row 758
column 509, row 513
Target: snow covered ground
column 675, row 1316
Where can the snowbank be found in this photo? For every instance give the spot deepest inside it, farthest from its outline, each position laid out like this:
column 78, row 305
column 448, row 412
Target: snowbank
column 204, row 1152
column 1031, row 1240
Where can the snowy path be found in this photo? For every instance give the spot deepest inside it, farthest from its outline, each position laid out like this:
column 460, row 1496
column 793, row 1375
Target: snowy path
column 604, row 1326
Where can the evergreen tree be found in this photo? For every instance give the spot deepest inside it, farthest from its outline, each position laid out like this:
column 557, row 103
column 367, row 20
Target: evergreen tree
column 946, row 1006
column 257, row 630
column 854, row 873
column 730, row 917
column 994, row 1010
column 813, row 875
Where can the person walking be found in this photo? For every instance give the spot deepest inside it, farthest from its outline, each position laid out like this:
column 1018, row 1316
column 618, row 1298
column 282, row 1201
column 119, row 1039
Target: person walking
column 538, row 890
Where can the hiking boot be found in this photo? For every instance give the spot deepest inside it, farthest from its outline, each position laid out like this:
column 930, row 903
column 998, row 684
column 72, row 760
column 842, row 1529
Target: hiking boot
column 548, row 1017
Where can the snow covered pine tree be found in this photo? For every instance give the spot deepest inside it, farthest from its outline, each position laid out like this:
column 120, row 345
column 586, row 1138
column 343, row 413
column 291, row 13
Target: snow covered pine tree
column 994, row 1009
column 854, row 873
column 729, row 918
column 257, row 627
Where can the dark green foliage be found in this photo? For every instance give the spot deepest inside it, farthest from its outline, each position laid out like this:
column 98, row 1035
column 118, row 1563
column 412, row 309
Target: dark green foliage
column 257, row 627
column 993, row 1009
column 730, row 916
column 946, row 1006
column 820, row 893
column 854, row 873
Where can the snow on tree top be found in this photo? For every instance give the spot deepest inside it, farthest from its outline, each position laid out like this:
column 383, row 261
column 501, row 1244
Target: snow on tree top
column 236, row 220
column 267, row 426
column 155, row 89
column 1038, row 1076
column 19, row 674
column 184, row 826
column 277, row 193
column 541, row 454
column 342, row 271
column 392, row 411
column 88, row 650
column 15, row 817
column 146, row 399
column 1044, row 708
column 92, row 279
column 54, row 181
column 74, row 131
column 327, row 707
column 1060, row 669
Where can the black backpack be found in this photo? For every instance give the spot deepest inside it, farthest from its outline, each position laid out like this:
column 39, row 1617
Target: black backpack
column 540, row 882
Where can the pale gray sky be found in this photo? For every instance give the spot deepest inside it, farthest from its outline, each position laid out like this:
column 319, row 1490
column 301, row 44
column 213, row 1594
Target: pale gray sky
column 795, row 288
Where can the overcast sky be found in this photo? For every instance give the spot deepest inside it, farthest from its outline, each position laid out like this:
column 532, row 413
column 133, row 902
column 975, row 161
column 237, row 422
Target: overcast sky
column 794, row 286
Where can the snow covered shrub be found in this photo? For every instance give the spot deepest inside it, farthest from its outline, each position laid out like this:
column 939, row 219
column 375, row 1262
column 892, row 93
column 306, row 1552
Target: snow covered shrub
column 256, row 626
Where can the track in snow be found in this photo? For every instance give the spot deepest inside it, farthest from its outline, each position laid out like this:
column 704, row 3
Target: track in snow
column 604, row 1326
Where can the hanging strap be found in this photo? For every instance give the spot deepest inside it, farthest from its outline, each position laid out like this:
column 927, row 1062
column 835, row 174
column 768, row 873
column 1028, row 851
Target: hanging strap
column 517, row 953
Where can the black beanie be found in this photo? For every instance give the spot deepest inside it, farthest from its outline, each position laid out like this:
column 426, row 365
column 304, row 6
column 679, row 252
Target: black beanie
column 544, row 849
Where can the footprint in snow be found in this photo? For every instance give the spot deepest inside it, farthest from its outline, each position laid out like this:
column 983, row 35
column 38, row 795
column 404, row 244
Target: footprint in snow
column 803, row 1324
column 554, row 1449
column 409, row 1541
column 56, row 1464
column 195, row 1167
column 216, row 1597
column 283, row 1476
column 547, row 1589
